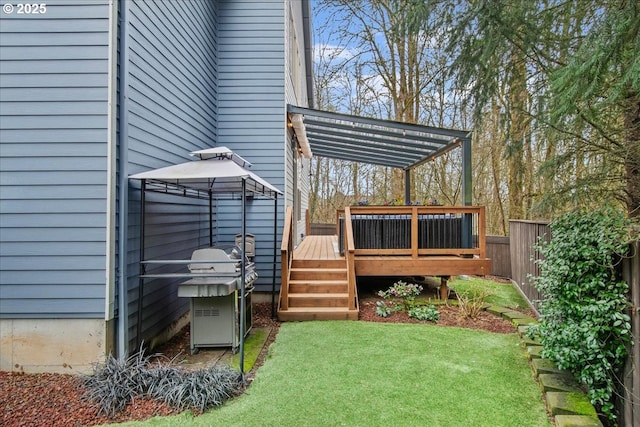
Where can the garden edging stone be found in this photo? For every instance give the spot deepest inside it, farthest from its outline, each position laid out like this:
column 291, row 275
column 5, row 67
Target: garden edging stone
column 566, row 401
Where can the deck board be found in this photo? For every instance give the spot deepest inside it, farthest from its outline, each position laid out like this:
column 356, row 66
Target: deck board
column 317, row 248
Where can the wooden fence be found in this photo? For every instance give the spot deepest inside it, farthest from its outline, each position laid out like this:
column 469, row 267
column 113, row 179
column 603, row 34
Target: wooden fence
column 523, row 236
column 500, row 255
column 323, row 230
column 629, row 402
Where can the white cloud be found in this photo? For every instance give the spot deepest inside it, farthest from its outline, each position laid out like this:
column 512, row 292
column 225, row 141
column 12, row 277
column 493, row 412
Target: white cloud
column 326, row 53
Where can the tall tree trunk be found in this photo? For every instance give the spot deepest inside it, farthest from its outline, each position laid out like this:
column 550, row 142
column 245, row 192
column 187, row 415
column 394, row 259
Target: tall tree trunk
column 519, row 120
column 632, row 160
column 496, row 154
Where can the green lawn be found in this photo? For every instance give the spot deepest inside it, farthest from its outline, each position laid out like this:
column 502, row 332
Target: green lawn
column 383, row 374
column 504, row 294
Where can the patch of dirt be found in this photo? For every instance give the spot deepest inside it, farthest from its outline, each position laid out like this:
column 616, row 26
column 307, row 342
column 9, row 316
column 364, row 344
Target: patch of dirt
column 449, row 316
column 58, row 399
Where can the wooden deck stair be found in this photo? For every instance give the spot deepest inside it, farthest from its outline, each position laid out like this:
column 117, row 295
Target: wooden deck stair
column 318, row 290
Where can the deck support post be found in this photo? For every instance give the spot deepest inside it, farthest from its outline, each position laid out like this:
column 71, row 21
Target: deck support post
column 444, row 289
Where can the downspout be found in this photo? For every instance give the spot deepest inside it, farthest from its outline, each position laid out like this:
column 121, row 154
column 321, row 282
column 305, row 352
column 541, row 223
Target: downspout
column 112, row 146
column 123, row 182
column 308, row 51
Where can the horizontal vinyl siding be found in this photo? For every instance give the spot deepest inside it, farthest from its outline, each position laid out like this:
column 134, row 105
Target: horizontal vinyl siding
column 251, row 115
column 172, row 103
column 53, row 135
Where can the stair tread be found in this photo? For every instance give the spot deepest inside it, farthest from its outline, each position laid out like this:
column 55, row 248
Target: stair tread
column 332, row 269
column 311, row 309
column 318, row 281
column 319, row 295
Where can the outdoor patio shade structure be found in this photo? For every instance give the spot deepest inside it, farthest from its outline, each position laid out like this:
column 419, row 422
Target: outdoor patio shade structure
column 218, row 172
column 380, row 142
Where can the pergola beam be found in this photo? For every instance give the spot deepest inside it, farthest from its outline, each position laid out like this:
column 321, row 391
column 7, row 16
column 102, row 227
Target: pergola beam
column 421, row 129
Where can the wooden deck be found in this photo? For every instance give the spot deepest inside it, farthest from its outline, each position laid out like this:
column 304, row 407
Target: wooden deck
column 318, row 248
column 320, row 283
column 321, row 248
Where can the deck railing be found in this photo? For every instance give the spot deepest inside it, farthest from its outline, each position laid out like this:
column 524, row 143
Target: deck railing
column 415, row 230
column 350, row 256
column 286, row 256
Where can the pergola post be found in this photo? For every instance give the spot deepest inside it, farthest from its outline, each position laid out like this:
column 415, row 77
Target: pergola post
column 407, row 186
column 467, row 194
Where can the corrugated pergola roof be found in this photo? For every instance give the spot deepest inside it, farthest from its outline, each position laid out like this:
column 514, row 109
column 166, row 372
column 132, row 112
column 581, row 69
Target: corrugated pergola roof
column 374, row 141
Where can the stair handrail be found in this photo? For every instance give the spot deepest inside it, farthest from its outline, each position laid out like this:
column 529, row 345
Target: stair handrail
column 286, row 256
column 349, row 252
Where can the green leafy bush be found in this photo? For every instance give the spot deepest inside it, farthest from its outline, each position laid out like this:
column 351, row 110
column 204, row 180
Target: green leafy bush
column 583, row 325
column 425, row 312
column 401, row 295
column 382, row 309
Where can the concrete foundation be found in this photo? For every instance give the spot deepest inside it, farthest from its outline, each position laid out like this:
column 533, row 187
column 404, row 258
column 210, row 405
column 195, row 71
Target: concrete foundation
column 52, row 345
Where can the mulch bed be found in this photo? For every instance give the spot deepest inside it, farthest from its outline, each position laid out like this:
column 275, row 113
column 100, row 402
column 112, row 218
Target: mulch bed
column 58, row 399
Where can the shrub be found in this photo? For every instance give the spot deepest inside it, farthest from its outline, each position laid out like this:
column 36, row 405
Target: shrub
column 424, row 312
column 114, row 384
column 583, row 325
column 401, row 295
column 200, row 389
column 471, row 302
column 382, row 309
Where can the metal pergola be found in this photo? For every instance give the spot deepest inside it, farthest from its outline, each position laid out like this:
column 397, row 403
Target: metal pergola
column 381, row 142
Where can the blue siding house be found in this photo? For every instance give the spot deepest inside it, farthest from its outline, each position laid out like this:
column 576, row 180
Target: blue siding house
column 93, row 91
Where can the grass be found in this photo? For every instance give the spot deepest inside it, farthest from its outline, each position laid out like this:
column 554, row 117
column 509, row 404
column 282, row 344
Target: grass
column 504, row 294
column 377, row 374
column 252, row 347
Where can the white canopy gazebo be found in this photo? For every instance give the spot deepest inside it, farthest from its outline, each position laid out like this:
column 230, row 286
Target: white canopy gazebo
column 217, row 171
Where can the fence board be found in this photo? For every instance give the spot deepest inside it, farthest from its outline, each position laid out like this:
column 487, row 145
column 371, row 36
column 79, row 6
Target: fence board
column 498, row 251
column 523, row 235
column 323, row 229
column 629, row 405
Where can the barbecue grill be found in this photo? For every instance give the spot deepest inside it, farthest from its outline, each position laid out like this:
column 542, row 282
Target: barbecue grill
column 215, row 290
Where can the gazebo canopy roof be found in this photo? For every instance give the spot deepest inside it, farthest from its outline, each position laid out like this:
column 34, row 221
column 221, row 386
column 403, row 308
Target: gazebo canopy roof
column 219, row 170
